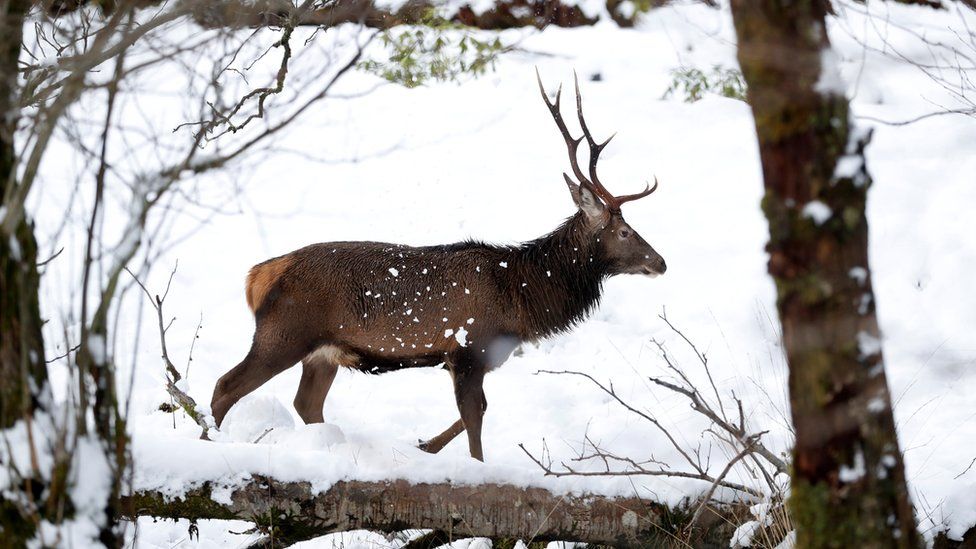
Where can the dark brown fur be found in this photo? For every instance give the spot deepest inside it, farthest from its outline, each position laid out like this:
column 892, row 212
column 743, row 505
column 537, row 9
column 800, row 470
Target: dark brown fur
column 343, row 299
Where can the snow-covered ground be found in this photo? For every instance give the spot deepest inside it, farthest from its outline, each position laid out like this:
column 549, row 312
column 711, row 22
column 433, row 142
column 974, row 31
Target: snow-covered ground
column 483, row 159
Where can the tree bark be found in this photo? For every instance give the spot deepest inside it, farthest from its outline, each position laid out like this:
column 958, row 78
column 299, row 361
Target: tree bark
column 848, row 477
column 21, row 348
column 291, row 512
column 23, row 389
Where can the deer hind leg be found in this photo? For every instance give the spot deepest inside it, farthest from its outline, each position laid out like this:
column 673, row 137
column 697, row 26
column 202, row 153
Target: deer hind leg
column 469, row 375
column 500, row 348
column 438, row 443
column 264, row 361
column 318, row 372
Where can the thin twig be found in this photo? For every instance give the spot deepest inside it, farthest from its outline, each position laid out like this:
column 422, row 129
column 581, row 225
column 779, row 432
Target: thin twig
column 193, row 343
column 568, row 471
column 970, row 466
column 185, row 401
column 967, row 112
column 644, row 415
column 718, row 482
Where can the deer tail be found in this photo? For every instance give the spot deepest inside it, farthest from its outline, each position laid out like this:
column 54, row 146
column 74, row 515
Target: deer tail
column 262, row 278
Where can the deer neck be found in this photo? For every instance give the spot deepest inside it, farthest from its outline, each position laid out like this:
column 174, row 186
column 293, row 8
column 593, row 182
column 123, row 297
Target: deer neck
column 558, row 280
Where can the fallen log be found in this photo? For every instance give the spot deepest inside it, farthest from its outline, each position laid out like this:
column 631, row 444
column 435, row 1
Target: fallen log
column 290, row 511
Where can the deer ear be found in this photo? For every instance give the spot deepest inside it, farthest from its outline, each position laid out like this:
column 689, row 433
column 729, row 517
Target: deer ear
column 585, row 200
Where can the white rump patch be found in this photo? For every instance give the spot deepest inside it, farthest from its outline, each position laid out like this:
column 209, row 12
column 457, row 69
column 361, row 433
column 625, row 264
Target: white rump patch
column 333, row 354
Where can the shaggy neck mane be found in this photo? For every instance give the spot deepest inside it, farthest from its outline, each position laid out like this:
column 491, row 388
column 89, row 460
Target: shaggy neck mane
column 559, row 279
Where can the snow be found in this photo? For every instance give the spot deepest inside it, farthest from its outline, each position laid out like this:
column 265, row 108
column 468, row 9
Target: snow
column 817, row 211
column 744, row 533
column 742, row 537
column 96, row 346
column 394, row 272
column 461, row 336
column 855, row 471
column 830, row 82
column 15, row 450
column 92, row 476
column 876, row 405
column 183, row 385
column 868, row 344
column 253, row 416
column 89, row 483
column 483, row 159
column 789, row 542
column 14, row 246
column 627, row 8
column 848, row 166
column 69, row 533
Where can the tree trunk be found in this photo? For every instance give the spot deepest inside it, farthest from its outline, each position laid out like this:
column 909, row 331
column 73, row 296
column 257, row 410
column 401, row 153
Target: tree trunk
column 292, row 512
column 23, row 389
column 21, row 347
column 848, row 476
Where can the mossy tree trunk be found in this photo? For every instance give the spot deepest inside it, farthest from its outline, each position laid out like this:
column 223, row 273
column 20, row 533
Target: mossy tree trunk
column 848, row 477
column 23, row 375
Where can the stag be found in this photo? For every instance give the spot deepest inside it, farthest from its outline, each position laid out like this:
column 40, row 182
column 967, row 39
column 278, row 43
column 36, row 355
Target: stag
column 377, row 307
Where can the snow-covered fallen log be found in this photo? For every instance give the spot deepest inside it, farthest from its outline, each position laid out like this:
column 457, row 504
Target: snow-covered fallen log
column 292, row 512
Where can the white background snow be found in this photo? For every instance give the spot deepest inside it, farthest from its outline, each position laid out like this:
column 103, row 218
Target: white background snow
column 483, row 159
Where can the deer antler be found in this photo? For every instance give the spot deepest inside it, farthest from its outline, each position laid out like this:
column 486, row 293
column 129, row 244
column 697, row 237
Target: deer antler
column 571, row 143
column 593, row 183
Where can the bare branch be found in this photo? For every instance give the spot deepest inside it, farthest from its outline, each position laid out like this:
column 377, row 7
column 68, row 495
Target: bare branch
column 185, row 401
column 718, row 482
column 568, row 471
column 609, row 390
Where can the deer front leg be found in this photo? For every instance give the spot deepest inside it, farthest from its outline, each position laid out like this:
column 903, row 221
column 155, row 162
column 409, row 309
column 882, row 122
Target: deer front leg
column 262, row 363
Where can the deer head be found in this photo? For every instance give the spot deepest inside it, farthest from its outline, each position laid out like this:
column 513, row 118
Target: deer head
column 625, row 250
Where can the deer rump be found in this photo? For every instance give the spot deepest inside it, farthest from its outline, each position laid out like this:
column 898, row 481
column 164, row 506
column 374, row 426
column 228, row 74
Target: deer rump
column 378, row 307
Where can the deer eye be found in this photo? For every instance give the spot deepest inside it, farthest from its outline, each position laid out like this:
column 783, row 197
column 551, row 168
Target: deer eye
column 624, row 233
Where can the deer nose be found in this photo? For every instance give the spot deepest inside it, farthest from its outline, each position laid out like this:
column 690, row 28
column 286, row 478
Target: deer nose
column 662, row 266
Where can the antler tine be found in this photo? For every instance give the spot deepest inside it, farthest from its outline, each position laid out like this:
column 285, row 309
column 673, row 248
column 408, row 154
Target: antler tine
column 595, row 150
column 593, row 183
column 628, row 197
column 571, row 143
